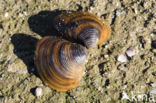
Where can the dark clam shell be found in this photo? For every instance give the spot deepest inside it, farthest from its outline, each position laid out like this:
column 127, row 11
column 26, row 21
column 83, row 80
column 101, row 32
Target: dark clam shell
column 60, row 63
column 84, row 27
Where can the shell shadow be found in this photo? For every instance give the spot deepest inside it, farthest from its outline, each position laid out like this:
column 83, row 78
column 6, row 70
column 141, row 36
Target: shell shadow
column 24, row 44
column 42, row 23
column 24, row 47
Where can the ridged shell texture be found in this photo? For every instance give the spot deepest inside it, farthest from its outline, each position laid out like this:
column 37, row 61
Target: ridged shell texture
column 84, row 27
column 61, row 63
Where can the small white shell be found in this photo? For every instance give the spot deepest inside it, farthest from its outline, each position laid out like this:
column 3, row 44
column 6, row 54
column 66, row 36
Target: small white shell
column 130, row 52
column 153, row 91
column 38, row 91
column 122, row 58
column 124, row 95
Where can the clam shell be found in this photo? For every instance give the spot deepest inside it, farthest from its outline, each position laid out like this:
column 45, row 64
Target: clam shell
column 60, row 63
column 84, row 27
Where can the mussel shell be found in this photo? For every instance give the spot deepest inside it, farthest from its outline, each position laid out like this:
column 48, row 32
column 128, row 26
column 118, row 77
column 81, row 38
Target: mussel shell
column 84, row 27
column 60, row 63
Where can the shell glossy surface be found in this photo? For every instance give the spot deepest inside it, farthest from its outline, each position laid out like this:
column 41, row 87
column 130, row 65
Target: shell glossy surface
column 60, row 63
column 85, row 27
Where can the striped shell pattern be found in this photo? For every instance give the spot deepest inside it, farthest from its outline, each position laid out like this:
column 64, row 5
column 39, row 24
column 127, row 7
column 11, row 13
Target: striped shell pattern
column 61, row 63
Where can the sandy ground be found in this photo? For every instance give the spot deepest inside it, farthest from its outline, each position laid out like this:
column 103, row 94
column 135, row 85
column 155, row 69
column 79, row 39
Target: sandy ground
column 133, row 25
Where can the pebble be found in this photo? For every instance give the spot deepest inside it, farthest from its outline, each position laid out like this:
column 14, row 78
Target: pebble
column 152, row 35
column 130, row 52
column 38, row 91
column 25, row 13
column 106, row 56
column 122, row 58
column 124, row 95
column 123, row 87
column 153, row 84
column 6, row 14
column 1, row 77
column 153, row 91
column 19, row 68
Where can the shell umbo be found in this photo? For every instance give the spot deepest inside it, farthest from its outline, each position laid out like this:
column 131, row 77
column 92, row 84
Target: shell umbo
column 61, row 63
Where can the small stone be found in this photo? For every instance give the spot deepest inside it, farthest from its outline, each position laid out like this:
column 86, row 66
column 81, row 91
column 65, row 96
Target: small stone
column 122, row 58
column 106, row 56
column 130, row 52
column 25, row 13
column 6, row 14
column 123, row 87
column 124, row 95
column 152, row 35
column 153, row 91
column 154, row 50
column 20, row 15
column 1, row 77
column 38, row 91
column 140, row 96
column 153, row 84
column 18, row 67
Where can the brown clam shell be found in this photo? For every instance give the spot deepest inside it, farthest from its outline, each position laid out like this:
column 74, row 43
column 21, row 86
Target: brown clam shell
column 60, row 63
column 85, row 27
